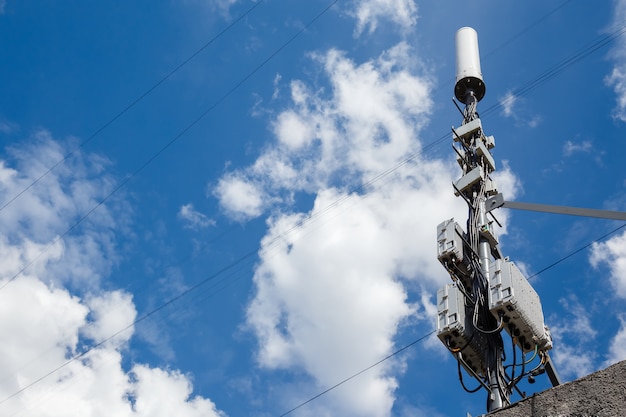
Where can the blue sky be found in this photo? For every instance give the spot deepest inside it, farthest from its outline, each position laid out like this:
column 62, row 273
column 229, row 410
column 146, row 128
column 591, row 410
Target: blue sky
column 261, row 225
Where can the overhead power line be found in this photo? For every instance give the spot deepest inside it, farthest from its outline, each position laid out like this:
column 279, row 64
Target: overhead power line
column 326, row 391
column 582, row 248
column 189, row 126
column 249, row 255
column 185, row 62
column 378, row 177
column 522, row 91
column 511, row 39
column 132, row 104
column 555, row 70
column 525, row 30
column 135, row 173
column 552, row 72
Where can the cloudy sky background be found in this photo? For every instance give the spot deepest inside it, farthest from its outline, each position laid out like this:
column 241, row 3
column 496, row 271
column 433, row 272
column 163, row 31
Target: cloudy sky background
column 224, row 208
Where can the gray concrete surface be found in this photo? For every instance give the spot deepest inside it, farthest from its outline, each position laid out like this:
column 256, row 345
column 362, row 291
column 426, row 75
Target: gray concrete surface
column 601, row 394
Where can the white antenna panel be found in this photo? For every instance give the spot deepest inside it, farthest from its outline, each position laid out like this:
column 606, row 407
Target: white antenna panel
column 468, row 74
column 455, row 330
column 513, row 298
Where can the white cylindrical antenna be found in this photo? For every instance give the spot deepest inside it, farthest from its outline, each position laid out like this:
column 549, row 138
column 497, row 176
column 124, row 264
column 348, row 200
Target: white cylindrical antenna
column 469, row 78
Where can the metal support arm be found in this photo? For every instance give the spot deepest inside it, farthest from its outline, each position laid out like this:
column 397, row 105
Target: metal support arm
column 551, row 371
column 498, row 201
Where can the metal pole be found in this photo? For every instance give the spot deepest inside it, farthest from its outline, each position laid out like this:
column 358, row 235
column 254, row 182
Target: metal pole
column 483, row 279
column 494, row 399
column 493, row 350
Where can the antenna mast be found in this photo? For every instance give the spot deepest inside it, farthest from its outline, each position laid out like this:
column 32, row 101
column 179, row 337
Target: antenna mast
column 489, row 293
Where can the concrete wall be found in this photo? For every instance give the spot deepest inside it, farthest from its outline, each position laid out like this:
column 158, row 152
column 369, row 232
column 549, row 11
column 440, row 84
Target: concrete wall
column 601, row 394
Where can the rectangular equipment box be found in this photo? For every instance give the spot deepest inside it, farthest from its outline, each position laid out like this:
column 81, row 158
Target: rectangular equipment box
column 454, row 326
column 466, row 131
column 481, row 150
column 451, row 250
column 511, row 294
column 490, row 141
column 465, row 183
column 450, row 242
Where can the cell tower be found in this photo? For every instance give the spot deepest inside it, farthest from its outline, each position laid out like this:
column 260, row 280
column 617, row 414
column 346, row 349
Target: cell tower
column 488, row 293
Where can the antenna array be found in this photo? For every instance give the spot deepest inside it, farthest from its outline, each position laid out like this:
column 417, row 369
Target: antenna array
column 488, row 293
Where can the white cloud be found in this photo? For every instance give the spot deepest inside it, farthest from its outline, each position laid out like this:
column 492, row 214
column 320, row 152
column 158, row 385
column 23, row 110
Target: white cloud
column 573, row 333
column 293, row 131
column 510, row 186
column 6, row 127
column 240, row 198
column 27, row 303
column 617, row 349
column 579, row 324
column 110, row 312
column 277, row 79
column 330, row 285
column 570, row 363
column 368, row 13
column 44, row 323
column 56, row 202
column 569, row 148
column 506, row 181
column 507, row 102
column 612, row 253
column 617, row 78
column 330, row 297
column 510, row 104
column 584, row 147
column 193, row 218
column 163, row 393
column 365, row 127
column 222, row 6
column 533, row 121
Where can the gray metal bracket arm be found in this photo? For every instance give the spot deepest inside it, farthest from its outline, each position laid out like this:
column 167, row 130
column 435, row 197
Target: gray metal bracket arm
column 551, row 371
column 498, row 201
